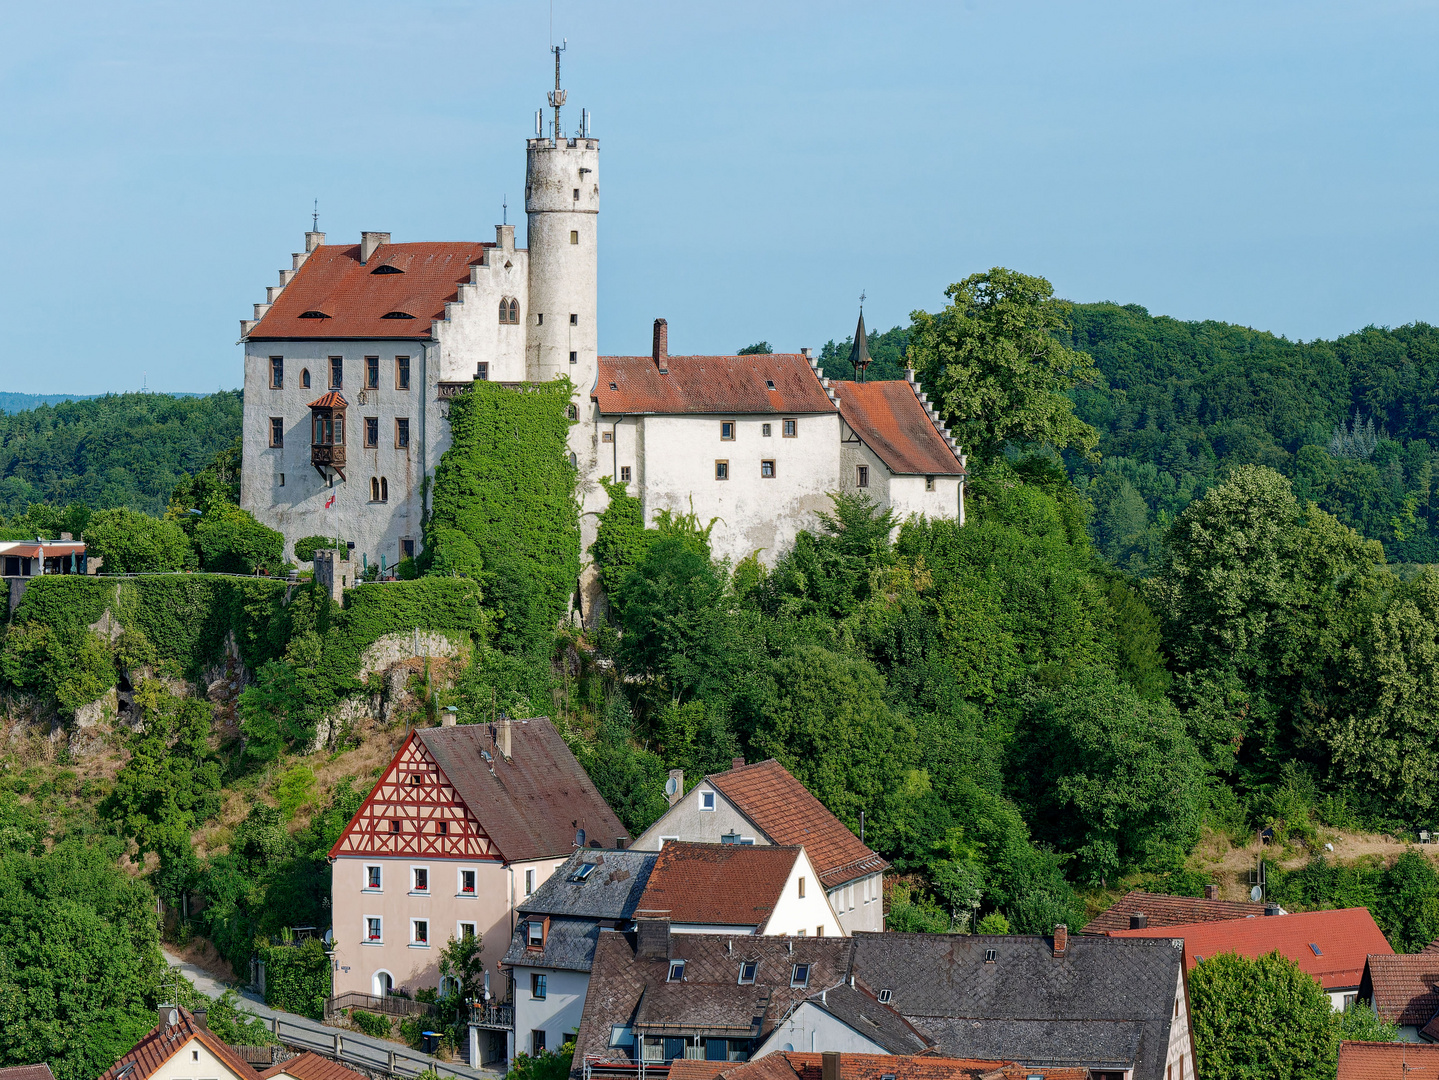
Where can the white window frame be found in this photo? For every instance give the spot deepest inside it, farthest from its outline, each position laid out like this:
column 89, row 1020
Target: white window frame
column 460, row 872
column 666, row 839
column 429, row 880
column 707, row 797
column 416, row 943
column 676, row 971
column 460, row 925
column 529, row 881
column 529, row 936
column 367, row 887
column 365, row 938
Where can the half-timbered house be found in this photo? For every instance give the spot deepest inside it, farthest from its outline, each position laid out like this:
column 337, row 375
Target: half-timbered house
column 465, row 823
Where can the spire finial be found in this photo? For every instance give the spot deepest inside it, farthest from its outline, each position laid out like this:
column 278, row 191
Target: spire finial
column 861, row 301
column 557, row 96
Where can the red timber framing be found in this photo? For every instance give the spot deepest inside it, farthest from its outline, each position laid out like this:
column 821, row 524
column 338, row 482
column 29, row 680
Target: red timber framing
column 415, row 810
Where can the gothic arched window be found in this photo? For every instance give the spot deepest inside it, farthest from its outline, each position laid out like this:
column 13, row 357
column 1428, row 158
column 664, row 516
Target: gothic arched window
column 515, row 312
column 574, row 413
column 384, row 490
column 374, row 489
column 504, row 310
column 305, row 378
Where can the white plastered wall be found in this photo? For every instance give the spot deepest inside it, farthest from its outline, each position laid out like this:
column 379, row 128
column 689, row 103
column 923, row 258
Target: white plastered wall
column 860, row 903
column 807, row 914
column 1179, row 1059
column 686, row 821
column 194, row 1061
column 809, row 1029
column 557, row 1015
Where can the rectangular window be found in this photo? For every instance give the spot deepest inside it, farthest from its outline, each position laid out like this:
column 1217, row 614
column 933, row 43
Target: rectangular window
column 372, row 877
column 574, row 357
column 529, row 882
column 373, row 929
column 372, row 373
column 800, row 975
column 482, row 371
column 537, row 1043
column 677, row 970
column 727, row 431
column 422, row 880
column 282, row 479
column 819, row 931
column 574, row 236
column 721, row 470
column 608, row 436
column 747, row 972
column 535, row 934
column 862, row 476
column 337, row 372
column 764, row 430
column 537, row 986
column 442, row 828
column 766, row 469
column 419, row 931
column 372, row 431
column 929, row 483
column 277, row 432
column 277, row 372
column 467, row 930
column 801, row 888
column 407, row 548
column 791, row 428
column 402, row 373
column 574, row 319
column 467, row 883
column 402, row 432
column 624, row 474
column 707, row 800
column 394, row 826
column 539, row 318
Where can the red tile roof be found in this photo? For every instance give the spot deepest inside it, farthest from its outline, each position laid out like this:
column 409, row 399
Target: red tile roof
column 785, row 810
column 792, row 1065
column 1344, row 939
column 333, row 400
column 27, row 1072
column 890, row 419
column 719, row 385
column 1164, row 910
column 1404, row 988
column 354, row 300
column 311, row 1066
column 1388, row 1061
column 716, row 884
column 161, row 1044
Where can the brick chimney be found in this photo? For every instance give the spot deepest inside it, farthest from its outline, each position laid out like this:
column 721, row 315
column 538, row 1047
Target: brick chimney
column 502, row 737
column 1138, row 920
column 1061, row 941
column 678, row 776
column 829, row 1065
column 1211, row 892
column 736, row 763
column 369, row 241
column 202, row 1019
column 661, row 351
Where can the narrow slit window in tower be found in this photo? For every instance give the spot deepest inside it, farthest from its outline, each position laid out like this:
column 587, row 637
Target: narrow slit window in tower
column 574, row 236
column 574, row 357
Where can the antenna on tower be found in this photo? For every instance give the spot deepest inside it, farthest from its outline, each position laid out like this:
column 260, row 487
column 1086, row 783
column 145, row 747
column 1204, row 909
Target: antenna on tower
column 505, row 207
column 315, row 217
column 557, row 96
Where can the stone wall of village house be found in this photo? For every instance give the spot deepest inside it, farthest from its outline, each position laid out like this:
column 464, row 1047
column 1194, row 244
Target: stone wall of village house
column 412, row 966
column 557, row 1014
column 280, row 486
column 673, row 459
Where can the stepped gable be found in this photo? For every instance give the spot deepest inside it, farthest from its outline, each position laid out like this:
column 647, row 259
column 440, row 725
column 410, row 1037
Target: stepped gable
column 1332, row 946
column 787, row 813
column 150, row 1054
column 1404, row 988
column 1163, row 910
column 893, row 422
column 716, row 884
column 733, row 385
column 353, row 298
column 1105, row 1003
column 1388, row 1061
column 527, row 805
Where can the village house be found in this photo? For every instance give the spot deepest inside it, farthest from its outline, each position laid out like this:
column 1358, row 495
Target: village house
column 1386, row 1060
column 553, row 945
column 858, row 1066
column 1403, row 989
column 465, row 823
column 763, row 804
column 1332, row 946
column 1137, row 909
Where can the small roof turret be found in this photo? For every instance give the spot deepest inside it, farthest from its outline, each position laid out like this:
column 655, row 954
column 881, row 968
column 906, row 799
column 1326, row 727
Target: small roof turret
column 859, row 353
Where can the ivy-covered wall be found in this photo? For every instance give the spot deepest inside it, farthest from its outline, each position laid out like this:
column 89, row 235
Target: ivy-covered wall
column 504, row 509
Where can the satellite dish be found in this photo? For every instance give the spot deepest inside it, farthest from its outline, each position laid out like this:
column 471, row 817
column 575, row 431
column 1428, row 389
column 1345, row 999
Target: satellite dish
column 672, row 785
column 173, row 1018
column 1256, row 894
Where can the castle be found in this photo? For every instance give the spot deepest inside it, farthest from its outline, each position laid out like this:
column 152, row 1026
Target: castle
column 353, row 357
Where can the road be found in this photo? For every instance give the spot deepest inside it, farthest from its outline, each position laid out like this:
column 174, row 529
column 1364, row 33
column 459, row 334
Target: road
column 348, row 1047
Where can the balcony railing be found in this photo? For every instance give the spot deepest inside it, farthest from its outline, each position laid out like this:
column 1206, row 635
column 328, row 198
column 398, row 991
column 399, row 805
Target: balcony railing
column 322, row 454
column 498, row 1016
column 389, row 1004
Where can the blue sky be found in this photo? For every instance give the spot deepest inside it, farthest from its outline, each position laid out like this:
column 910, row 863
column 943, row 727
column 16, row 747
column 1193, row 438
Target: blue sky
column 1268, row 163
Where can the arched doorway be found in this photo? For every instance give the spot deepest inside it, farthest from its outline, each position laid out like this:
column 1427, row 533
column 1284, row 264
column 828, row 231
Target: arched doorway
column 383, row 984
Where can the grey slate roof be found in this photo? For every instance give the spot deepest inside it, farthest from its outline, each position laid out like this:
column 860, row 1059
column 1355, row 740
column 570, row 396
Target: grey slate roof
column 879, row 1023
column 610, row 891
column 569, row 945
column 1100, row 1005
column 532, row 803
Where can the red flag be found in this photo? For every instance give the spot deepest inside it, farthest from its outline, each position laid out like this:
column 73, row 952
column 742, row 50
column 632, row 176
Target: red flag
column 330, row 502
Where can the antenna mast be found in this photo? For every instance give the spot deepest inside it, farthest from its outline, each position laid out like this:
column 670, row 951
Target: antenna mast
column 557, row 96
column 315, row 217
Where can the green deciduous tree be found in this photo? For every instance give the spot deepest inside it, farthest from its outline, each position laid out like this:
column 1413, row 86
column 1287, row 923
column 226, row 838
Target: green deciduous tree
column 231, row 541
column 1262, row 1019
column 1000, row 372
column 132, row 542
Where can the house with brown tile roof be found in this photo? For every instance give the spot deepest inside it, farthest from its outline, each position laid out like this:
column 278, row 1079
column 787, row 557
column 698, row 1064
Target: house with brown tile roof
column 464, row 824
column 846, row 1066
column 180, row 1046
column 763, row 804
column 734, row 889
column 1388, row 1061
column 27, row 1072
column 1138, row 909
column 1404, row 990
column 310, row 1066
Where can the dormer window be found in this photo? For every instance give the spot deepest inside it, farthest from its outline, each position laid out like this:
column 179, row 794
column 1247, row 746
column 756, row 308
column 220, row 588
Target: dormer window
column 535, row 934
column 397, row 315
column 387, row 269
column 313, row 315
column 884, row 996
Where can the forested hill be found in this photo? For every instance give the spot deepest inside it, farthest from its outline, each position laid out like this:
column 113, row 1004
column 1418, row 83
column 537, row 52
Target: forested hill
column 1354, row 422
column 120, row 450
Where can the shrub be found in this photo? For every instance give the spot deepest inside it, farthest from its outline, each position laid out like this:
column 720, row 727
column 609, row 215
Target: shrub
column 372, row 1024
column 306, row 546
column 297, row 977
